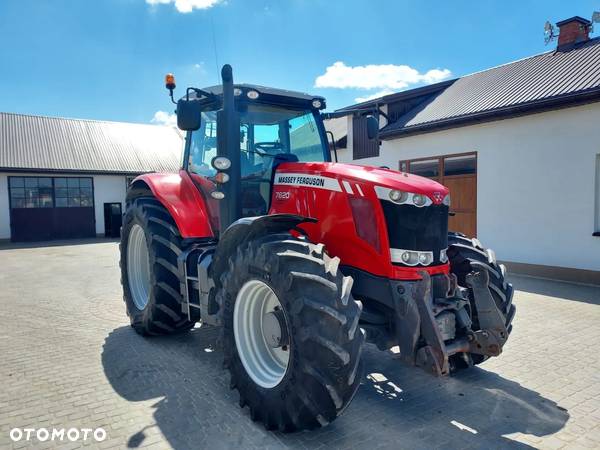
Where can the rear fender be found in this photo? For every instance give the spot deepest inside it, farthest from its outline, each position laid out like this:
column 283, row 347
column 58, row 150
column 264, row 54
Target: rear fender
column 177, row 193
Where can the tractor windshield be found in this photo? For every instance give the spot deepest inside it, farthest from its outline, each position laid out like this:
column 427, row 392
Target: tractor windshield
column 268, row 133
column 265, row 132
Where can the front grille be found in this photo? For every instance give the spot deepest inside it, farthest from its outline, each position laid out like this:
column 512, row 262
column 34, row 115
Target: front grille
column 412, row 228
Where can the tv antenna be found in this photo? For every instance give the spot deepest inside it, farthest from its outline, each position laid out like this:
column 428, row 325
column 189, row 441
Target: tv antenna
column 549, row 32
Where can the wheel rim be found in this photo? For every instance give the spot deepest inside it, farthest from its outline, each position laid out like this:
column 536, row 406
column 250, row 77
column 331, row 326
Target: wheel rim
column 265, row 364
column 138, row 267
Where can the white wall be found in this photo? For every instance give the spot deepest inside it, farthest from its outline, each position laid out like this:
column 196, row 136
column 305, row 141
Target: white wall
column 4, row 208
column 535, row 183
column 107, row 189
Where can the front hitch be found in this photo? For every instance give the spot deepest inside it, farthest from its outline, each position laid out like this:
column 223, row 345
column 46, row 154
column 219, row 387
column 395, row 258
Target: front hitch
column 424, row 344
column 490, row 339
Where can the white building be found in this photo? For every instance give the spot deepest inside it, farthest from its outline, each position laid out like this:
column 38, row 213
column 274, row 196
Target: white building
column 519, row 147
column 67, row 178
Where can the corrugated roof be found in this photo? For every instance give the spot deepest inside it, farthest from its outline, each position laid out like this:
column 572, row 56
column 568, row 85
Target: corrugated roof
column 538, row 81
column 51, row 143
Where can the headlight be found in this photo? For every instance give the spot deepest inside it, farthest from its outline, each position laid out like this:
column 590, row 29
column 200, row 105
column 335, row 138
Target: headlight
column 217, row 195
column 419, row 200
column 411, row 257
column 444, row 255
column 402, row 197
column 446, row 200
column 425, row 258
column 221, row 163
column 398, row 196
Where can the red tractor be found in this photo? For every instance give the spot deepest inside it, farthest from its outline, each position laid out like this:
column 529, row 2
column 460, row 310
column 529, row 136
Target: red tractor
column 301, row 260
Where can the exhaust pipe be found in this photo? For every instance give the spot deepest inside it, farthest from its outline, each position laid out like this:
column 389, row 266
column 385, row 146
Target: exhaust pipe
column 228, row 145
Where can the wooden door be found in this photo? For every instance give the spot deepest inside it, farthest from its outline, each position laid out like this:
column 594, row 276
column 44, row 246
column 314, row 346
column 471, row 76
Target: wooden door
column 463, row 194
column 458, row 173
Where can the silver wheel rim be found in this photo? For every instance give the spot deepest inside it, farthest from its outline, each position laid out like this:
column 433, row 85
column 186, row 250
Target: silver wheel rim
column 138, row 267
column 263, row 363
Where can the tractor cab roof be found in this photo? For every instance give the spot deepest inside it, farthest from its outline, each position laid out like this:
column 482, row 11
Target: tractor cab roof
column 266, row 95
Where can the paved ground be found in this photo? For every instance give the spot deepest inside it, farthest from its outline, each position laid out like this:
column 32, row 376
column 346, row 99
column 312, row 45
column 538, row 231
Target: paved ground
column 69, row 359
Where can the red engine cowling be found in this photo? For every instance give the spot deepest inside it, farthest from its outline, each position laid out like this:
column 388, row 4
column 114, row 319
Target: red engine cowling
column 351, row 221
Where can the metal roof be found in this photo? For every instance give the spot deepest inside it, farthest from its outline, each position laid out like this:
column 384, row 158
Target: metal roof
column 542, row 80
column 58, row 144
column 397, row 96
column 546, row 81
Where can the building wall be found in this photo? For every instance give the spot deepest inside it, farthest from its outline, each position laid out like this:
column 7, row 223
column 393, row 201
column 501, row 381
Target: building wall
column 107, row 189
column 4, row 209
column 535, row 186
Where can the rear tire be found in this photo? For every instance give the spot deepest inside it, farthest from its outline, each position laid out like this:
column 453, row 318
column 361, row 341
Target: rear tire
column 323, row 367
column 466, row 255
column 156, row 308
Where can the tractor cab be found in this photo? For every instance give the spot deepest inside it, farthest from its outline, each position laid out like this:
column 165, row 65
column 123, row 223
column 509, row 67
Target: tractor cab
column 265, row 127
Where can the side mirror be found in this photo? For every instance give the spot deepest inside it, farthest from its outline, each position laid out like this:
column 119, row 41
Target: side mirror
column 372, row 127
column 188, row 115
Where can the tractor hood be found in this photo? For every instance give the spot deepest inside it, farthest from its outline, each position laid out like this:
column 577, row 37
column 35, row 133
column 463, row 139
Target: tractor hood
column 375, row 176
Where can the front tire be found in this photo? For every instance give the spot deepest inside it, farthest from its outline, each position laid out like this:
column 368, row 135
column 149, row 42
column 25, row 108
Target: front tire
column 466, row 255
column 316, row 369
column 150, row 245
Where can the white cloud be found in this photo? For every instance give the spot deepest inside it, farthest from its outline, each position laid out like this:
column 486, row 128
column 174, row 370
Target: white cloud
column 164, row 118
column 376, row 76
column 374, row 96
column 186, row 6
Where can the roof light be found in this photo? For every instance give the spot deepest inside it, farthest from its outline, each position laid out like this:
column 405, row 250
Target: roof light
column 170, row 81
column 317, row 103
column 252, row 95
column 237, row 92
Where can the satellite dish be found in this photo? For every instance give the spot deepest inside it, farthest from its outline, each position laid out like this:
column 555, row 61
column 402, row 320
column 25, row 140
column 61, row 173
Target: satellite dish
column 548, row 32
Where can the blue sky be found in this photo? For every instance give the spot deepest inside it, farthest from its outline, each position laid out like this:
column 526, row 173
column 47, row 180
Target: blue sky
column 107, row 59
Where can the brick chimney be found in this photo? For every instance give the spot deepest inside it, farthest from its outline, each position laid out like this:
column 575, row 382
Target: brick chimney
column 573, row 31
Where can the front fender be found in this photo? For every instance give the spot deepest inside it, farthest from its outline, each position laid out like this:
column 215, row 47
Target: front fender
column 248, row 228
column 177, row 192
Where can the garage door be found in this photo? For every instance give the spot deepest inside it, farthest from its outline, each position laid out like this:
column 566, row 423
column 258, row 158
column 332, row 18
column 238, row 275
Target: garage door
column 46, row 208
column 459, row 174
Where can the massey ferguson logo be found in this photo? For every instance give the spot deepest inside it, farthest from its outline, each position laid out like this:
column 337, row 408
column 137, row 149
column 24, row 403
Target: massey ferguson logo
column 437, row 196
